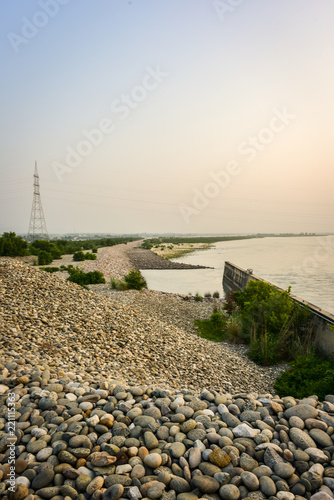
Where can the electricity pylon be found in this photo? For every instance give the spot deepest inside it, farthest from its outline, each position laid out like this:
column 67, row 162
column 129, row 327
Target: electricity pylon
column 37, row 226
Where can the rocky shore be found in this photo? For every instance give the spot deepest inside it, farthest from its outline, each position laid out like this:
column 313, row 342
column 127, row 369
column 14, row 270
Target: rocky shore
column 114, row 397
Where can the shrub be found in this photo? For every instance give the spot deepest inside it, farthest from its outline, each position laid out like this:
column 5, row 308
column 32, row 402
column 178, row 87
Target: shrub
column 78, row 256
column 213, row 328
column 50, row 269
column 12, row 245
column 44, row 258
column 215, row 295
column 234, row 329
column 135, row 280
column 230, row 305
column 81, row 278
column 207, row 294
column 38, row 246
column 118, row 284
column 198, row 297
column 147, row 244
column 276, row 327
column 307, row 375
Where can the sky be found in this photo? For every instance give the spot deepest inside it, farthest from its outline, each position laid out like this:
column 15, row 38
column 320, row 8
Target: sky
column 168, row 116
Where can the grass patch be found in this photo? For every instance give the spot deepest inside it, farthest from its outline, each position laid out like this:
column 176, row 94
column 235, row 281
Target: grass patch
column 213, row 328
column 307, row 376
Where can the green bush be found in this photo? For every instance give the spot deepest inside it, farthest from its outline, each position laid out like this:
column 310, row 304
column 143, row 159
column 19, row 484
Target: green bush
column 215, row 295
column 135, row 280
column 78, row 256
column 307, row 376
column 50, row 269
column 12, row 245
column 147, row 244
column 198, row 297
column 81, row 278
column 207, row 295
column 38, row 246
column 44, row 258
column 277, row 328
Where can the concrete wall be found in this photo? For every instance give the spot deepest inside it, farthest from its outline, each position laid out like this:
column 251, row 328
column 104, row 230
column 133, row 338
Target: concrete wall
column 236, row 278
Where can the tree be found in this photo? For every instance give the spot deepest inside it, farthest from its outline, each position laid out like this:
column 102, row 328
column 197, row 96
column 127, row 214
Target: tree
column 12, row 245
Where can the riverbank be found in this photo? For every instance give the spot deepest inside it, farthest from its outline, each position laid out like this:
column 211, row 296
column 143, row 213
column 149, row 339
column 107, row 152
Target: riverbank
column 116, row 398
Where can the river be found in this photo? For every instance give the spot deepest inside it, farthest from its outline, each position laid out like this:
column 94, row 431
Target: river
column 306, row 263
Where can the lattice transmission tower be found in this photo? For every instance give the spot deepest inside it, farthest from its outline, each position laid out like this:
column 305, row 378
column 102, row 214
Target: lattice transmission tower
column 37, row 225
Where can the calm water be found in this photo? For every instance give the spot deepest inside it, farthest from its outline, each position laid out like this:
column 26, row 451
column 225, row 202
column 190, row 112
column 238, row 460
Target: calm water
column 304, row 263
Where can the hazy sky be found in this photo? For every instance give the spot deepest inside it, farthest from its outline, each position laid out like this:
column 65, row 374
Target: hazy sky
column 168, row 115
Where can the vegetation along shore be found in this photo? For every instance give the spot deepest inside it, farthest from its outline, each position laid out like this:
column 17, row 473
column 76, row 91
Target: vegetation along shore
column 117, row 397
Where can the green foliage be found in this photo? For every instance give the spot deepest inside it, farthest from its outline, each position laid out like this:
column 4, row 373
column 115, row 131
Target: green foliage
column 38, row 246
column 146, row 244
column 233, row 329
column 118, row 284
column 308, row 375
column 215, row 295
column 12, row 245
column 276, row 327
column 80, row 256
column 198, row 297
column 207, row 295
column 213, row 328
column 135, row 280
column 50, row 269
column 44, row 258
column 230, row 305
column 81, row 278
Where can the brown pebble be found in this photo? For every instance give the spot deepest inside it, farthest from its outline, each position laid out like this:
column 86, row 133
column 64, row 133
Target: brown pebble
column 20, row 465
column 21, row 492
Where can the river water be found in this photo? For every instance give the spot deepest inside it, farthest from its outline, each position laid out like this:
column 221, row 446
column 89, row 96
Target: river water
column 304, row 263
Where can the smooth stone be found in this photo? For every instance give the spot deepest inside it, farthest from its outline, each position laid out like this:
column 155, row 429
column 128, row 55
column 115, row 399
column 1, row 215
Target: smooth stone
column 316, row 455
column 205, row 484
column 177, row 449
column 155, row 491
column 284, row 470
column 115, row 492
column 138, row 471
column 250, row 480
column 219, row 457
column 209, row 469
column 300, row 438
column 229, row 492
column 194, row 457
column 321, row 438
column 180, row 485
column 43, row 479
column 94, row 485
column 153, row 460
column 151, row 441
column 21, row 492
column 302, row 411
column 267, row 486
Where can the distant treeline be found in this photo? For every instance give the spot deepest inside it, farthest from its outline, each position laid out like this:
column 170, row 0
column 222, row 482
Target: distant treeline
column 46, row 251
column 175, row 240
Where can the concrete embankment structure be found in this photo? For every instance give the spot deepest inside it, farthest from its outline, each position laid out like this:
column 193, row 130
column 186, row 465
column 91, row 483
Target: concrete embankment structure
column 236, row 278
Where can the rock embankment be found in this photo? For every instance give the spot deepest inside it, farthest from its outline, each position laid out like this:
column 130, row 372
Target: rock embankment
column 60, row 323
column 111, row 402
column 145, row 259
